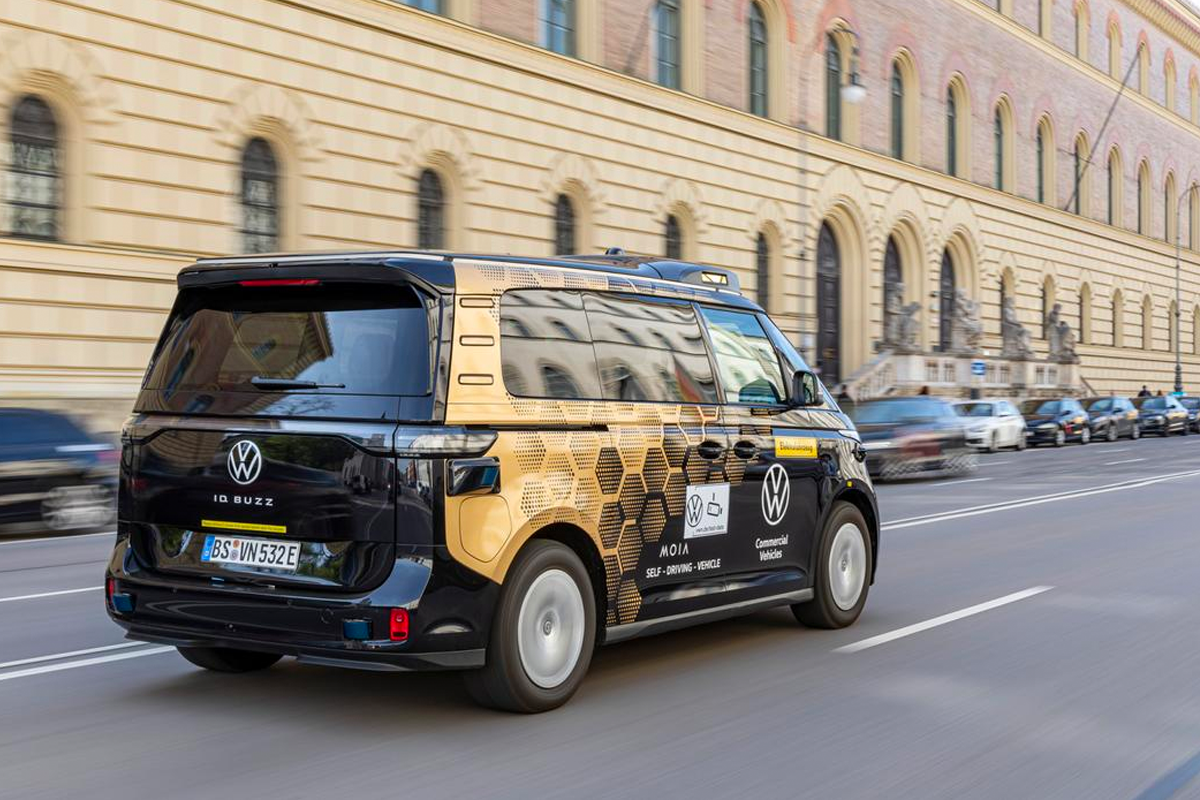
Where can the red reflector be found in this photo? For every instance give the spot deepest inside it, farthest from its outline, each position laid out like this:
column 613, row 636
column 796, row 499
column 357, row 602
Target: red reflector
column 110, row 586
column 398, row 624
column 281, row 282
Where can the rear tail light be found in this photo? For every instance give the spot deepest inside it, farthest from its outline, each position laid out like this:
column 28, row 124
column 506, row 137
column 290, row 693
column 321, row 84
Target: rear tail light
column 280, row 282
column 398, row 624
column 120, row 602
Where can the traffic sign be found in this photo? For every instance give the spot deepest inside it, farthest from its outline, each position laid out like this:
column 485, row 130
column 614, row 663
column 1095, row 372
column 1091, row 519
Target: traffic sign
column 978, row 368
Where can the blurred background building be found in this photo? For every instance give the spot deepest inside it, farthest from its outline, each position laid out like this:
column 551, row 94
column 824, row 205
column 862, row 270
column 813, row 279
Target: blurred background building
column 887, row 226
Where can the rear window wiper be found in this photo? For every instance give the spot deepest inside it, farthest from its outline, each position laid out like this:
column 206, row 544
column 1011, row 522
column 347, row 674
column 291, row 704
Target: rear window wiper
column 283, row 384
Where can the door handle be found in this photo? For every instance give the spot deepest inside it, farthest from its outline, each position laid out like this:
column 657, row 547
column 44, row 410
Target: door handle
column 710, row 450
column 746, row 450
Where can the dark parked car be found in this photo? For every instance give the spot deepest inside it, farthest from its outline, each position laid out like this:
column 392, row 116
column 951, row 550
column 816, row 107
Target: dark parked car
column 53, row 473
column 908, row 435
column 1163, row 415
column 1192, row 404
column 1112, row 417
column 1056, row 421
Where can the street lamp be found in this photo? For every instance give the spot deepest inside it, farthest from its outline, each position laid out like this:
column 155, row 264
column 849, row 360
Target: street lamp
column 1178, row 304
column 854, row 92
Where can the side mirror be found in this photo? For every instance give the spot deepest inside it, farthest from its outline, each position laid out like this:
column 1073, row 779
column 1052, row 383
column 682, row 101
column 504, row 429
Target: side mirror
column 806, row 390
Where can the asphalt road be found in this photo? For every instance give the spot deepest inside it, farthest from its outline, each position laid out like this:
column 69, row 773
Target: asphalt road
column 1033, row 634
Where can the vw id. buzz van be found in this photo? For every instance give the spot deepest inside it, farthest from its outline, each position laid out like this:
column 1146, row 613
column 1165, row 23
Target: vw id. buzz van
column 409, row 460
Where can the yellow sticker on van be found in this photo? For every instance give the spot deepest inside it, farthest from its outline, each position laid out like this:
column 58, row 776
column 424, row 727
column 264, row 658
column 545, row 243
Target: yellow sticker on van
column 795, row 447
column 255, row 527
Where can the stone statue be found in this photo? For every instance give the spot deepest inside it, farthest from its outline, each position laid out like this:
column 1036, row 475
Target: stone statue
column 1052, row 330
column 966, row 332
column 1061, row 338
column 908, row 328
column 900, row 326
column 1017, row 342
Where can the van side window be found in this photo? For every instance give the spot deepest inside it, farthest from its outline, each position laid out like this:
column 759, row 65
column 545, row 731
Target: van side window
column 746, row 359
column 546, row 347
column 649, row 351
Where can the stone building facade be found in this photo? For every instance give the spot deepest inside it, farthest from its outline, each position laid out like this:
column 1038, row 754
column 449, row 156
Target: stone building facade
column 142, row 133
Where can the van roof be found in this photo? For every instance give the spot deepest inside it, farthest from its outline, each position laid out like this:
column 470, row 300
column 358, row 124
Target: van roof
column 716, row 279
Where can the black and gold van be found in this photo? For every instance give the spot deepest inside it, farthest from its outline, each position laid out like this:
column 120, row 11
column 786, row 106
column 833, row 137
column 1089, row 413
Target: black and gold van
column 407, row 460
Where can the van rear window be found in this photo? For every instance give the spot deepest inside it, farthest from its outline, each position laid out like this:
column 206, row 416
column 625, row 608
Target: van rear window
column 339, row 337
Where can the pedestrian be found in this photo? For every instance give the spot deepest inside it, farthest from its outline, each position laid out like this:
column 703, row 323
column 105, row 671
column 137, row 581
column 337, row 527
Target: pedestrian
column 1160, row 392
column 924, row 391
column 1144, row 392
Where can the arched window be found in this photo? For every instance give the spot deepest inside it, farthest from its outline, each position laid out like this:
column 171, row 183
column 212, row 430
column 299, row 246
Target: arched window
column 673, row 238
column 833, row 87
column 1147, row 323
column 1045, row 161
column 1085, row 314
column 829, row 304
column 946, row 287
column 1194, row 217
column 260, row 198
column 1079, row 156
column 1143, row 198
column 1116, row 184
column 897, row 111
column 1169, row 79
column 564, row 226
column 1048, row 301
column 1170, row 208
column 758, row 61
column 1114, row 51
column 34, row 174
column 431, row 212
column 1194, row 99
column 893, row 281
column 1045, row 18
column 666, row 43
column 559, row 23
column 1143, row 69
column 1118, row 315
column 958, row 135
column 1082, row 26
column 762, row 267
column 1002, row 144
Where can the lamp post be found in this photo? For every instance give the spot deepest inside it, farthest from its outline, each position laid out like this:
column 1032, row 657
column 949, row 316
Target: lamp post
column 1178, row 304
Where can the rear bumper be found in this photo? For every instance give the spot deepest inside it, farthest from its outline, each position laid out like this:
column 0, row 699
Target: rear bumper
column 450, row 615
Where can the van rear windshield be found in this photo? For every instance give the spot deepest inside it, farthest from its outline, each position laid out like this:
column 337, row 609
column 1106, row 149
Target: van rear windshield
column 343, row 337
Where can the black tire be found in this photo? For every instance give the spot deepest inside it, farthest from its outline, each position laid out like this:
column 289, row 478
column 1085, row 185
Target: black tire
column 1110, row 433
column 1085, row 435
column 1060, row 437
column 1022, row 442
column 227, row 659
column 1135, row 432
column 823, row 611
column 994, row 445
column 504, row 683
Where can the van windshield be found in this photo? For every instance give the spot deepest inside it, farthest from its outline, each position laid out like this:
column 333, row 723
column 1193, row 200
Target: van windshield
column 337, row 337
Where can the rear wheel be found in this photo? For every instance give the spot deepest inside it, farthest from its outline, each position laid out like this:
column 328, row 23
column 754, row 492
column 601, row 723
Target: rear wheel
column 1136, row 432
column 994, row 445
column 1111, row 433
column 1060, row 438
column 1022, row 443
column 543, row 634
column 227, row 659
column 843, row 574
column 1085, row 435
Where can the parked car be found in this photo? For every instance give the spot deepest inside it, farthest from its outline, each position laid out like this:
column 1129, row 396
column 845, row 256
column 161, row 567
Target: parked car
column 1192, row 404
column 1163, row 415
column 1113, row 417
column 1056, row 421
column 908, row 435
column 53, row 474
column 991, row 424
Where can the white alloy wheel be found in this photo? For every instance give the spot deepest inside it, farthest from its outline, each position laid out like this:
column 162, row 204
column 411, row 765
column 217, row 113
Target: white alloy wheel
column 847, row 566
column 1085, row 435
column 550, row 628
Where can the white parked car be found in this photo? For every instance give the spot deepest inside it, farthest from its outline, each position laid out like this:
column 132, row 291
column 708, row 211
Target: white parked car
column 992, row 423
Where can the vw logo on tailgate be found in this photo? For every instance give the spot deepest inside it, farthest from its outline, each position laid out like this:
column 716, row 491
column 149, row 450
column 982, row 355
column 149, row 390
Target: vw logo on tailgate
column 245, row 462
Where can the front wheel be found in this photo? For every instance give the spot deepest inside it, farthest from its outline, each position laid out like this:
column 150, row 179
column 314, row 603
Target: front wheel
column 1022, row 442
column 1085, row 435
column 543, row 634
column 1060, row 438
column 843, row 574
column 227, row 659
column 994, row 445
column 1111, row 433
column 1135, row 433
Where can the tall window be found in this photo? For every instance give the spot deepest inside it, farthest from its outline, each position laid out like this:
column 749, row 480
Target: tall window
column 833, row 88
column 1143, row 198
column 762, row 266
column 758, row 60
column 666, row 43
column 432, row 6
column 951, row 132
column 673, row 238
column 1169, row 79
column 999, row 143
column 1147, row 323
column 1114, row 52
column 35, row 182
column 1085, row 314
column 1118, row 311
column 1143, row 59
column 1041, row 165
column 1079, row 160
column 1170, row 208
column 558, row 26
column 431, row 212
column 1194, row 217
column 1048, row 301
column 1115, row 185
column 260, row 198
column 564, row 226
column 897, row 111
column 1082, row 24
column 1046, row 172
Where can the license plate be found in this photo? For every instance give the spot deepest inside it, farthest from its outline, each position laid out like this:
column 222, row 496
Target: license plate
column 249, row 552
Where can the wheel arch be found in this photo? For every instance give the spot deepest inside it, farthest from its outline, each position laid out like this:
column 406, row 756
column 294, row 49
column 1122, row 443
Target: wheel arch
column 584, row 546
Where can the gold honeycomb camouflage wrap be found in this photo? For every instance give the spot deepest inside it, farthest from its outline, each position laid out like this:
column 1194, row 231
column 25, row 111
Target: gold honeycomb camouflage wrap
column 618, row 471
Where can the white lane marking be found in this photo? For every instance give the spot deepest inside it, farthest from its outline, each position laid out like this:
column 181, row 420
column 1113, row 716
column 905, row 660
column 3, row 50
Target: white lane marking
column 1115, row 449
column 49, row 594
column 944, row 619
column 1123, row 461
column 72, row 654
column 66, row 537
column 961, row 480
column 993, row 463
column 972, row 511
column 86, row 662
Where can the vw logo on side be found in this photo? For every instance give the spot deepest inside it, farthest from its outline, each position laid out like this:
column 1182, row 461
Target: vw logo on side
column 245, row 462
column 695, row 510
column 776, row 492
